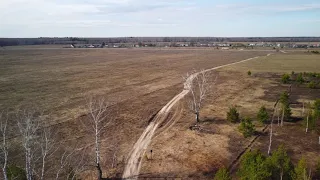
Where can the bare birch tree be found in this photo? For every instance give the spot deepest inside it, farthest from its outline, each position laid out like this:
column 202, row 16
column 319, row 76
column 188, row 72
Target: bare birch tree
column 198, row 85
column 271, row 126
column 308, row 114
column 28, row 124
column 97, row 122
column 47, row 147
column 4, row 145
column 77, row 167
column 63, row 163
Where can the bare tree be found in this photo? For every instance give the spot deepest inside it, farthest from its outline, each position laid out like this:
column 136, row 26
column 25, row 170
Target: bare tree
column 28, row 124
column 198, row 85
column 303, row 109
column 4, row 145
column 47, row 146
column 278, row 113
column 77, row 167
column 307, row 116
column 64, row 162
column 97, row 108
column 271, row 126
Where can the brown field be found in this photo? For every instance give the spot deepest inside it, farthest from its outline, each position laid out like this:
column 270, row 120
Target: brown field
column 187, row 154
column 138, row 82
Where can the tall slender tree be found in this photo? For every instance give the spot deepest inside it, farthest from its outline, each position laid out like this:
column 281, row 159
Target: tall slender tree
column 97, row 122
column 198, row 85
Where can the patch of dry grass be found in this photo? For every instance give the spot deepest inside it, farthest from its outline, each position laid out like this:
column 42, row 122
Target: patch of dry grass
column 281, row 63
column 57, row 80
column 180, row 151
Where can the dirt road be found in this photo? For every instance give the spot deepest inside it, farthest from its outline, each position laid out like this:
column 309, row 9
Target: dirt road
column 133, row 165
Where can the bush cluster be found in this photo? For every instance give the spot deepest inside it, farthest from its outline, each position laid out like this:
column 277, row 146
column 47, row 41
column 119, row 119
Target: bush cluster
column 246, row 127
column 233, row 115
column 263, row 115
column 285, row 78
column 257, row 166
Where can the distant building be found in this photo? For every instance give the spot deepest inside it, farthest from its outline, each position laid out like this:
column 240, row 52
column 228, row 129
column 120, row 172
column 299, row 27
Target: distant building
column 183, row 45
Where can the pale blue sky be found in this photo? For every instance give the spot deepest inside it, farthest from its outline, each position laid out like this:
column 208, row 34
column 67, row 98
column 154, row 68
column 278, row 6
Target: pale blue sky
column 115, row 18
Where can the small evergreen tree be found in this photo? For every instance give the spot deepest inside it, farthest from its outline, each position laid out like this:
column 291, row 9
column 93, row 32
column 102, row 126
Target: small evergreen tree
column 312, row 85
column 246, row 127
column 280, row 164
column 233, row 115
column 263, row 115
column 316, row 104
column 315, row 114
column 300, row 79
column 222, row 174
column 285, row 78
column 253, row 165
column 249, row 73
column 284, row 100
column 300, row 171
column 316, row 109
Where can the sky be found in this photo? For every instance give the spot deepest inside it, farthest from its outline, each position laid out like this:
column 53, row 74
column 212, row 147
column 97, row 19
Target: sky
column 124, row 18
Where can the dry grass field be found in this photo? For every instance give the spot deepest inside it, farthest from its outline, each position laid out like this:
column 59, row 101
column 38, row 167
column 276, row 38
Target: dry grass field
column 183, row 153
column 57, row 80
column 138, row 82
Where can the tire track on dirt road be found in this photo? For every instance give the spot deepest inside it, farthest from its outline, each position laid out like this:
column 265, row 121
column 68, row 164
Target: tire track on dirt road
column 132, row 168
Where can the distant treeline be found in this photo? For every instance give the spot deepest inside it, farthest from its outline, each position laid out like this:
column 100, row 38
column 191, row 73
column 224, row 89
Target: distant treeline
column 76, row 40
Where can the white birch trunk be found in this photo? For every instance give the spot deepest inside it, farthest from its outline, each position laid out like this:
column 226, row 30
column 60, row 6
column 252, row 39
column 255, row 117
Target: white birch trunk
column 28, row 164
column 307, row 123
column 282, row 116
column 302, row 109
column 271, row 131
column 4, row 146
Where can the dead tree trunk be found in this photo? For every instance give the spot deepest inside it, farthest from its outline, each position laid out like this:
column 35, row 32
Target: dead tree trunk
column 271, row 127
column 302, row 109
column 307, row 123
column 197, row 117
column 99, row 171
column 278, row 113
column 270, row 135
column 282, row 116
